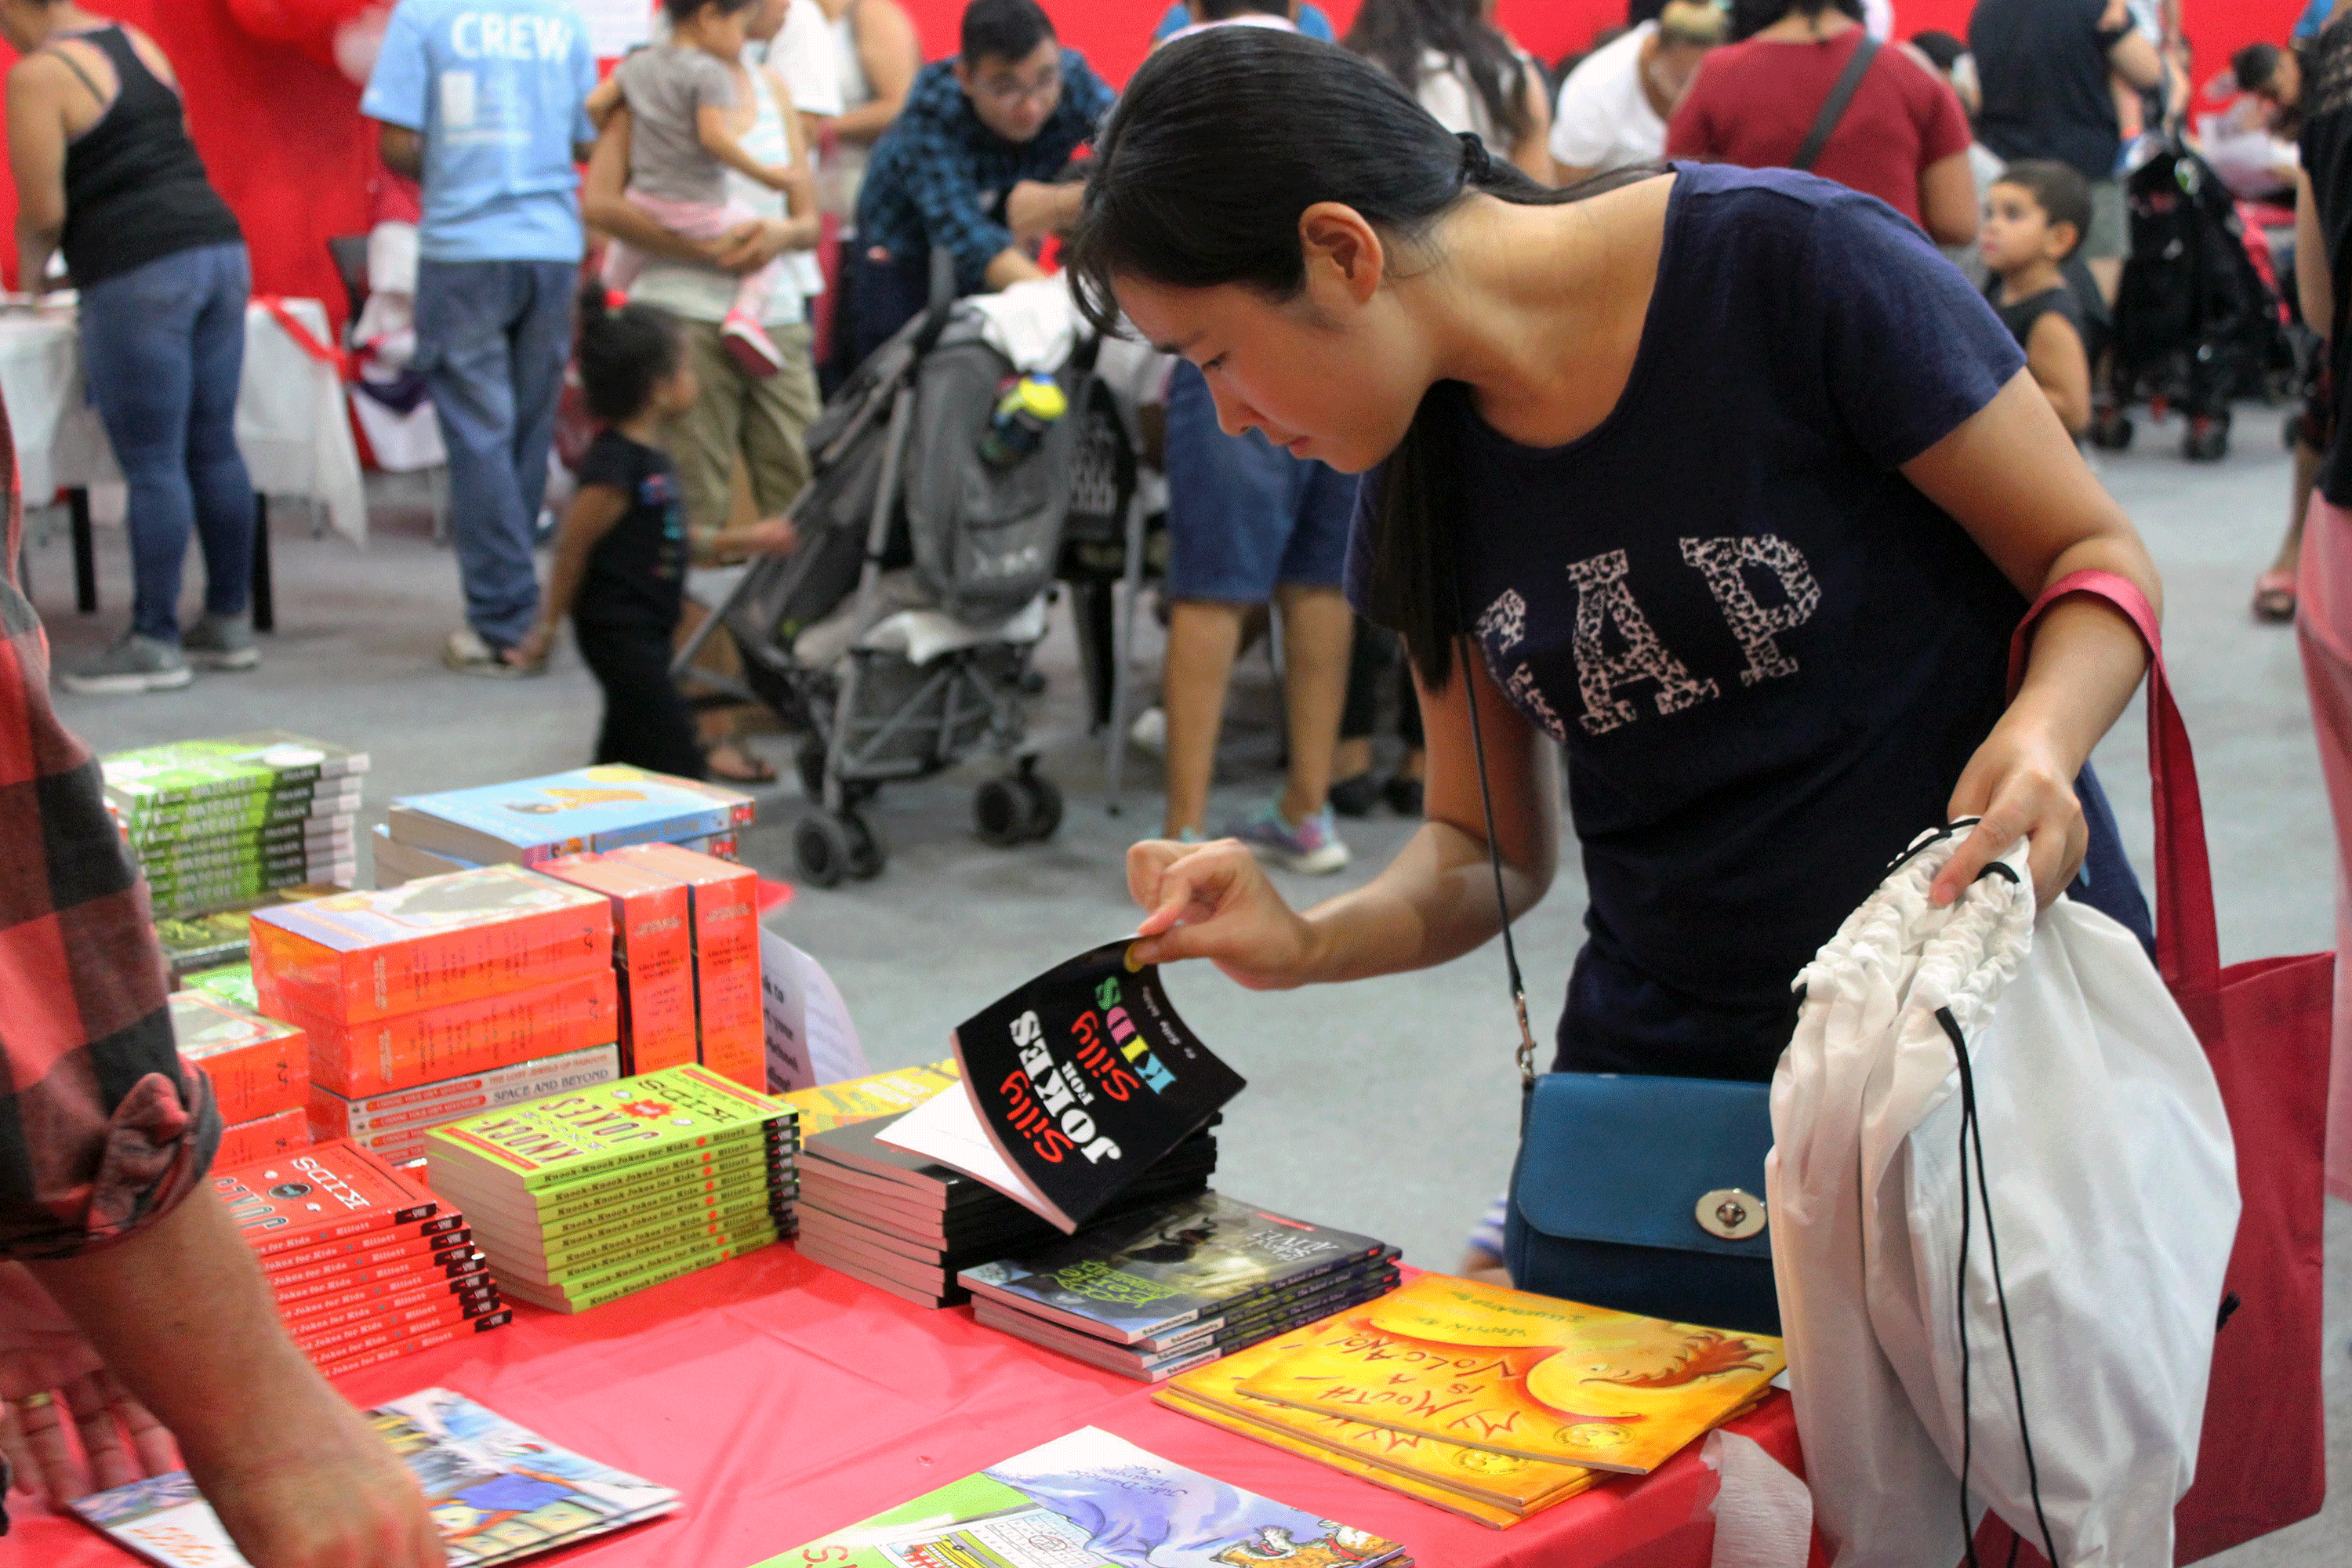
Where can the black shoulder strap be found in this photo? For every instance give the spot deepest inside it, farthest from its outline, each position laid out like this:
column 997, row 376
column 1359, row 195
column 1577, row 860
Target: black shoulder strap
column 1835, row 105
column 72, row 65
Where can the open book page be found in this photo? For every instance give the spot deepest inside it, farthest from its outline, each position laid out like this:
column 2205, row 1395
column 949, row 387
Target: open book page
column 810, row 1037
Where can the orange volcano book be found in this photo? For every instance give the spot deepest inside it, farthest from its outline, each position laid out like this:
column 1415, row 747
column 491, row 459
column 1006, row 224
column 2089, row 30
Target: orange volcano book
column 726, row 933
column 653, row 948
column 355, row 957
column 476, row 1036
column 259, row 1067
column 1522, row 1375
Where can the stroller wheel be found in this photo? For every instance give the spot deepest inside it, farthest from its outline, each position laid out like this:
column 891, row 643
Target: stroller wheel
column 866, row 855
column 1045, row 804
column 999, row 813
column 2111, row 432
column 821, row 849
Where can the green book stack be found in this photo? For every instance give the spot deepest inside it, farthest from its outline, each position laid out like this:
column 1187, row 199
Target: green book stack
column 226, row 821
column 589, row 1195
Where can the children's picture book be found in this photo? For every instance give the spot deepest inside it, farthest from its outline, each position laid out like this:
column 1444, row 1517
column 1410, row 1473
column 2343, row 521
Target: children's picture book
column 1494, row 1489
column 499, row 1492
column 1091, row 1499
column 830, row 1105
column 1074, row 1083
column 1523, row 1375
column 601, row 807
column 1168, row 1266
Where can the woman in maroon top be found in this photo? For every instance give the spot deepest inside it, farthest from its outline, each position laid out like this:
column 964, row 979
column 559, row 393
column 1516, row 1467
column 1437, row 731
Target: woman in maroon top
column 1903, row 138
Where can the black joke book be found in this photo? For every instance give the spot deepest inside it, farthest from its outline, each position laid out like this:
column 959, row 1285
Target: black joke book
column 1074, row 1086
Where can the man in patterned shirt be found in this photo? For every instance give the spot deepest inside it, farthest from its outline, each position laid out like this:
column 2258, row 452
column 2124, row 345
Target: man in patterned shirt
column 124, row 1286
column 966, row 168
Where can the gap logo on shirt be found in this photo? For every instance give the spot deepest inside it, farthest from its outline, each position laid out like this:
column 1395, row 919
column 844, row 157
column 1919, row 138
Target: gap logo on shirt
column 1617, row 647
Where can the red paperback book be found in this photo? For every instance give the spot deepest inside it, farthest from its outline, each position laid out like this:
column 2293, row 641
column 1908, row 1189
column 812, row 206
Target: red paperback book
column 422, row 1269
column 440, row 1227
column 350, row 1339
column 327, row 1191
column 326, row 1312
column 335, row 1366
column 391, row 1252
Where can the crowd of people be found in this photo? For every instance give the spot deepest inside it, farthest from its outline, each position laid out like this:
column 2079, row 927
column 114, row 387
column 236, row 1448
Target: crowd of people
column 1413, row 251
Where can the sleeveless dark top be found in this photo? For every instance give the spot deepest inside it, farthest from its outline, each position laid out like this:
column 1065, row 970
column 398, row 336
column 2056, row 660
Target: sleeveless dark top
column 135, row 189
column 2021, row 317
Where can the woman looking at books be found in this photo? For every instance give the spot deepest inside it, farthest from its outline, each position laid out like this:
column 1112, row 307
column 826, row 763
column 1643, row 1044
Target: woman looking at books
column 1738, row 488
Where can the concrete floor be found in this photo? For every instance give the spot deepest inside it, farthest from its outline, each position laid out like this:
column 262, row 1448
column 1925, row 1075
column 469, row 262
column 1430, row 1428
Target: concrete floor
column 1387, row 1106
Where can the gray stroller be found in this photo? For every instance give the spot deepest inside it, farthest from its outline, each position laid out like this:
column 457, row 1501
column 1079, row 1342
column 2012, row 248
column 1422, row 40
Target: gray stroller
column 898, row 635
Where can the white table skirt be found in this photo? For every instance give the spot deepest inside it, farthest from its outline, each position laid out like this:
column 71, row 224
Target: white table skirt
column 291, row 419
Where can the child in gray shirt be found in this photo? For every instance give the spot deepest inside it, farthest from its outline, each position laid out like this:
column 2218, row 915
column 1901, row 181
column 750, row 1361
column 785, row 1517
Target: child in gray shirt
column 680, row 95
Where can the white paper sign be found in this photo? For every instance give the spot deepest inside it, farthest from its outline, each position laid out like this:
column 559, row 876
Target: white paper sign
column 810, row 1037
column 616, row 27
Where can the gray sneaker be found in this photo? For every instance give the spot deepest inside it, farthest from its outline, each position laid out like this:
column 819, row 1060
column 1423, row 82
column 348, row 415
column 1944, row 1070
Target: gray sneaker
column 134, row 663
column 220, row 642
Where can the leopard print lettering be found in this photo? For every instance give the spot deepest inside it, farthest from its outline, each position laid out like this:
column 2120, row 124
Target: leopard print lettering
column 1720, row 559
column 1602, row 598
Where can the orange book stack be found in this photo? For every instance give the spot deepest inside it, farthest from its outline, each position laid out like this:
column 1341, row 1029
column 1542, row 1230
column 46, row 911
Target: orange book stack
column 723, row 906
column 436, row 983
column 260, row 1073
column 365, row 1265
column 653, row 954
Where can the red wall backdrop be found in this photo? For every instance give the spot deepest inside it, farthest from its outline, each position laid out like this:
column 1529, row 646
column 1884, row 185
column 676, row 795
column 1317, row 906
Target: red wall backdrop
column 282, row 135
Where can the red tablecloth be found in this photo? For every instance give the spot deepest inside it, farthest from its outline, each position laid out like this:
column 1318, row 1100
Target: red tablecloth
column 786, row 1400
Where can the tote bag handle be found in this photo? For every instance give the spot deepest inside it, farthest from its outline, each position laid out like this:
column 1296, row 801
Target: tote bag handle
column 2188, row 944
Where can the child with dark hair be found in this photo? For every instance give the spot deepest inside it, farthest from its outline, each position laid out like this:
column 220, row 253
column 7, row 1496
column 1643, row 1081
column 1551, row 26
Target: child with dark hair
column 620, row 557
column 2035, row 217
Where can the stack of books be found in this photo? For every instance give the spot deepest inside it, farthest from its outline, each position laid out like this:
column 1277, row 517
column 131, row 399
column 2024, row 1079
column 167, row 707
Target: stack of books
column 531, row 820
column 421, row 1001
column 1178, row 1285
column 909, row 1225
column 259, row 1069
column 584, row 1198
column 365, row 1263
column 1490, row 1403
column 217, row 823
column 498, row 1492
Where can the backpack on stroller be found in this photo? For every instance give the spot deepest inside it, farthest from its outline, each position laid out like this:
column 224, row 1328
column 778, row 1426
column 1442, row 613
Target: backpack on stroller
column 2196, row 322
column 899, row 633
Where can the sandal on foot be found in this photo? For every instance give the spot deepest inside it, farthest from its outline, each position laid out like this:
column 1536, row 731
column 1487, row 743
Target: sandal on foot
column 747, row 770
column 2275, row 596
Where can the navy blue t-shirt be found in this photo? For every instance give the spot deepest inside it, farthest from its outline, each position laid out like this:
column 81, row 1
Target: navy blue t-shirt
column 1767, row 655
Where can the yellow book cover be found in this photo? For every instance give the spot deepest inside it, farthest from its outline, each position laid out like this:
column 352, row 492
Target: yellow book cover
column 1516, row 1373
column 1504, row 1485
column 832, row 1105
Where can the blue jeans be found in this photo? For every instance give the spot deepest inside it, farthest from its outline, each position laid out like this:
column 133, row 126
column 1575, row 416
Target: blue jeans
column 1244, row 515
column 163, row 347
column 491, row 339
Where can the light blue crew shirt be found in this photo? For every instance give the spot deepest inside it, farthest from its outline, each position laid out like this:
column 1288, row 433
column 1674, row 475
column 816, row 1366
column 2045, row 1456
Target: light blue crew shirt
column 499, row 88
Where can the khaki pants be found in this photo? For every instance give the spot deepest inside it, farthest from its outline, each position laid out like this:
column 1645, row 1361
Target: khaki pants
column 763, row 419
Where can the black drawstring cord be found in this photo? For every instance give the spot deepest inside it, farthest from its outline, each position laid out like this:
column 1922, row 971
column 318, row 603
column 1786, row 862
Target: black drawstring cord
column 1971, row 1128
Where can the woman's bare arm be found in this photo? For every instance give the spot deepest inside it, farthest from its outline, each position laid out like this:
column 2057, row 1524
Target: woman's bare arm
column 891, row 55
column 2012, row 478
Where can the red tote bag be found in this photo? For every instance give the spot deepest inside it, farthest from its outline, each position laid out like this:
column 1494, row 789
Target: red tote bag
column 2267, row 1029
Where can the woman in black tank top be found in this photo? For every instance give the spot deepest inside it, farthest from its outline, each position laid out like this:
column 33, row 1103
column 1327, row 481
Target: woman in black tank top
column 106, row 174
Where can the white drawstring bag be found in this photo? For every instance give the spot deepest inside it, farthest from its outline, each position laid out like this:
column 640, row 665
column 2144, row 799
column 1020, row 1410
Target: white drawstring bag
column 2100, row 1166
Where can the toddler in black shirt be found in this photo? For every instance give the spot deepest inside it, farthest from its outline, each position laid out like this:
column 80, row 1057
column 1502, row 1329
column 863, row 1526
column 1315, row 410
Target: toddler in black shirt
column 622, row 554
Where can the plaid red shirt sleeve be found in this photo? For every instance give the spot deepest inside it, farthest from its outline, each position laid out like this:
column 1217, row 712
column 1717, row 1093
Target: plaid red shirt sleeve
column 102, row 1128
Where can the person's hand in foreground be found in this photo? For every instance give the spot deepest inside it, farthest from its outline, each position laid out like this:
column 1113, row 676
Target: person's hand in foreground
column 1214, row 902
column 178, row 1313
column 52, row 1391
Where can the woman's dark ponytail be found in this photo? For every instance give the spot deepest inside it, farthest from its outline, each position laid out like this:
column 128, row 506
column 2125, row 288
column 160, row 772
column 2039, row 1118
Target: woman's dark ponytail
column 1220, row 143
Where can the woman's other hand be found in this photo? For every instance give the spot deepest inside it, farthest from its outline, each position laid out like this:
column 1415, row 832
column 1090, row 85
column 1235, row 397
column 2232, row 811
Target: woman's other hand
column 772, row 536
column 2018, row 785
column 1214, row 902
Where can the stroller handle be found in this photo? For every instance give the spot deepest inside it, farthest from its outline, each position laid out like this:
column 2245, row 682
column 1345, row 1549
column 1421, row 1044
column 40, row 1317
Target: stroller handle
column 942, row 300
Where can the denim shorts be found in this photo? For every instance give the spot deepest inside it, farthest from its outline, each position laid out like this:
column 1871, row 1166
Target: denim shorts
column 1244, row 515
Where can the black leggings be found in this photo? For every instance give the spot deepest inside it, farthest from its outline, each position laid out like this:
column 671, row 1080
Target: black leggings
column 647, row 723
